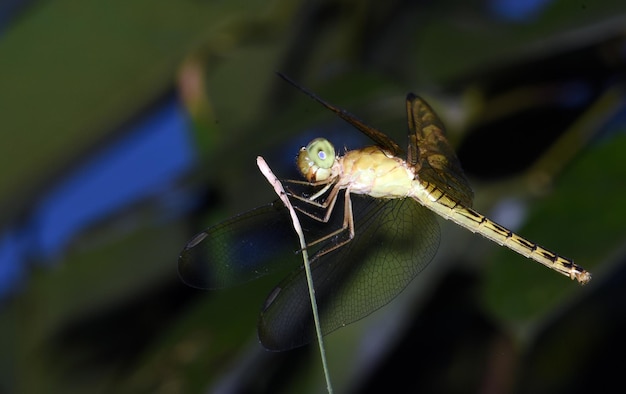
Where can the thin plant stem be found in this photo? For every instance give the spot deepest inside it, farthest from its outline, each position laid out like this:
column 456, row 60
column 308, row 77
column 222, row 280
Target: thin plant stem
column 280, row 191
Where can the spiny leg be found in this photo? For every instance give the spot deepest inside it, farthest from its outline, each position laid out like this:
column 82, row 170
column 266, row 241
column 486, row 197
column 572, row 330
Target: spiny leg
column 328, row 205
column 348, row 223
column 327, row 185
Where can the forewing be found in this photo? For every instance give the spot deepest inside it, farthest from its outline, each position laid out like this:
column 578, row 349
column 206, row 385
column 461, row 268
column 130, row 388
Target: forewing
column 431, row 154
column 380, row 138
column 240, row 249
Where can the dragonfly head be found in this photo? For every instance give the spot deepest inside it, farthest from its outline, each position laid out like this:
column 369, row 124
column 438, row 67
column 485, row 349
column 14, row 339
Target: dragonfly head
column 315, row 161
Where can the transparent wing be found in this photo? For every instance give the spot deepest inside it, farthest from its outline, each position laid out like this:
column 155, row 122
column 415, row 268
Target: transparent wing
column 431, row 154
column 380, row 138
column 247, row 246
column 394, row 241
column 240, row 249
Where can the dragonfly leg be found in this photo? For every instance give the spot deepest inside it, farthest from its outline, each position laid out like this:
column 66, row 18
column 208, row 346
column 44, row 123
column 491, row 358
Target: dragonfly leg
column 348, row 224
column 311, row 200
column 307, row 183
column 328, row 206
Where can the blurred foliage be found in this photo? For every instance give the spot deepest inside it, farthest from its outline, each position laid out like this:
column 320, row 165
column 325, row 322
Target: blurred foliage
column 112, row 315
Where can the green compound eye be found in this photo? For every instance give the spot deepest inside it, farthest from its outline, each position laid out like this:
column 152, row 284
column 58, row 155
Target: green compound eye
column 321, row 152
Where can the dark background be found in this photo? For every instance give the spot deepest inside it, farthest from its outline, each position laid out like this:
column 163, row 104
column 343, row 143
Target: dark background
column 533, row 100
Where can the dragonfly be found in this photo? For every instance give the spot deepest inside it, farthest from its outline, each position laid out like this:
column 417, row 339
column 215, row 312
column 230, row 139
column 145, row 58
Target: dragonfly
column 364, row 250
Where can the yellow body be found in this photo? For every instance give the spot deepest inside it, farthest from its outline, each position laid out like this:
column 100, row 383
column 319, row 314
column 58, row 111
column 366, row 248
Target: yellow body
column 370, row 171
column 376, row 173
column 431, row 175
